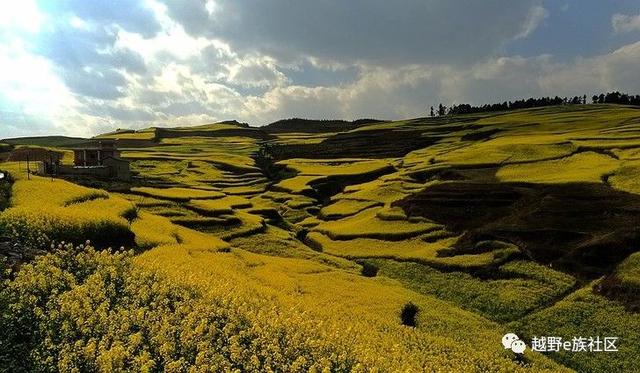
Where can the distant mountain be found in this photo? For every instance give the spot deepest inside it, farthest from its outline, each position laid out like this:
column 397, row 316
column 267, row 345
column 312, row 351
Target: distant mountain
column 48, row 141
column 315, row 126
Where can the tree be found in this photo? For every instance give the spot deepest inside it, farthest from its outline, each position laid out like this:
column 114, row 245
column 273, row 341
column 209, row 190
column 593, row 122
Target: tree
column 431, row 113
column 533, row 102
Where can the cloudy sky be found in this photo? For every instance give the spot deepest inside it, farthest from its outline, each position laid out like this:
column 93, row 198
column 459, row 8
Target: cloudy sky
column 81, row 67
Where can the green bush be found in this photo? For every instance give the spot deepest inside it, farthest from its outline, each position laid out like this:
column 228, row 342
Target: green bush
column 368, row 269
column 409, row 314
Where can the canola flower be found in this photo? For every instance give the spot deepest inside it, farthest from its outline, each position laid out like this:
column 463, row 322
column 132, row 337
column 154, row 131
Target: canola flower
column 212, row 306
column 43, row 210
column 79, row 309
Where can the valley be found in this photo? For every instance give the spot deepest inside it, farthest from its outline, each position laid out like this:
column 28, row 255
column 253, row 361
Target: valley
column 523, row 221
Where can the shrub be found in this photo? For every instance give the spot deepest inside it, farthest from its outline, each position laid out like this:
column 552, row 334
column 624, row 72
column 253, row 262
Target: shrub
column 368, row 269
column 264, row 159
column 408, row 314
column 131, row 213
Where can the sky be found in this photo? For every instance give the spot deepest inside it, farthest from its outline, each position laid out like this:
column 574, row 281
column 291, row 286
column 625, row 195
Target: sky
column 81, row 67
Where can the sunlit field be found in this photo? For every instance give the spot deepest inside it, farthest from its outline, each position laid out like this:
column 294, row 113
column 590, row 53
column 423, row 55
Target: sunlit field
column 241, row 249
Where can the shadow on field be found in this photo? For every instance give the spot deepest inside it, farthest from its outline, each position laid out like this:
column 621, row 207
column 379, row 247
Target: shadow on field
column 582, row 228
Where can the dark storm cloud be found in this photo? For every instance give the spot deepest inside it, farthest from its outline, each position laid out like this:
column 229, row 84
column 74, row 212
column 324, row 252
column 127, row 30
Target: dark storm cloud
column 105, row 84
column 308, row 75
column 118, row 112
column 373, row 31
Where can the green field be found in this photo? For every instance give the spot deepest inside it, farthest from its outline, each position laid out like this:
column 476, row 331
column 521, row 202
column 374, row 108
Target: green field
column 522, row 221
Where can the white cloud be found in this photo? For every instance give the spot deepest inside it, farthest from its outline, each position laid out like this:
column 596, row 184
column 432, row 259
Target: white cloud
column 618, row 70
column 31, row 96
column 191, row 62
column 255, row 72
column 536, row 16
column 393, row 93
column 625, row 23
column 20, row 15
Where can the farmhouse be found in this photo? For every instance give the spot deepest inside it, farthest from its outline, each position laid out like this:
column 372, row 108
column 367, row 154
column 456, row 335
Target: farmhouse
column 95, row 155
column 99, row 160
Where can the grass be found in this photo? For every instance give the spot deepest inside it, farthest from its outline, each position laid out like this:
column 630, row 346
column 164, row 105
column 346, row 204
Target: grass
column 379, row 190
column 585, row 314
column 507, row 149
column 228, row 226
column 623, row 284
column 345, row 207
column 182, row 172
column 335, row 166
column 582, row 167
column 330, row 298
column 525, row 287
column 626, row 177
column 46, row 141
column 221, row 160
column 301, row 138
column 280, row 243
column 224, row 205
column 177, row 194
column 206, row 127
column 298, row 184
column 629, row 272
column 366, row 224
column 246, row 190
column 145, row 134
column 314, row 171
column 417, row 249
column 301, row 289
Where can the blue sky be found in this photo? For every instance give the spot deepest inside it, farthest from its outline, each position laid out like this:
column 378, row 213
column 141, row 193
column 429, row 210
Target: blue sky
column 79, row 67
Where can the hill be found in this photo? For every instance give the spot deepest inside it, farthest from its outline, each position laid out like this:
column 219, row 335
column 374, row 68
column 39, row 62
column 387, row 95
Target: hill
column 406, row 245
column 314, row 126
column 47, row 141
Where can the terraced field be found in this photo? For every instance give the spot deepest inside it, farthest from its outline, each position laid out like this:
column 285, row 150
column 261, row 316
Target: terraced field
column 526, row 221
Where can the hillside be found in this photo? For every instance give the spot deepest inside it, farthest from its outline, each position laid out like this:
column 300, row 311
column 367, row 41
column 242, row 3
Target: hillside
column 298, row 125
column 524, row 221
column 47, row 141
